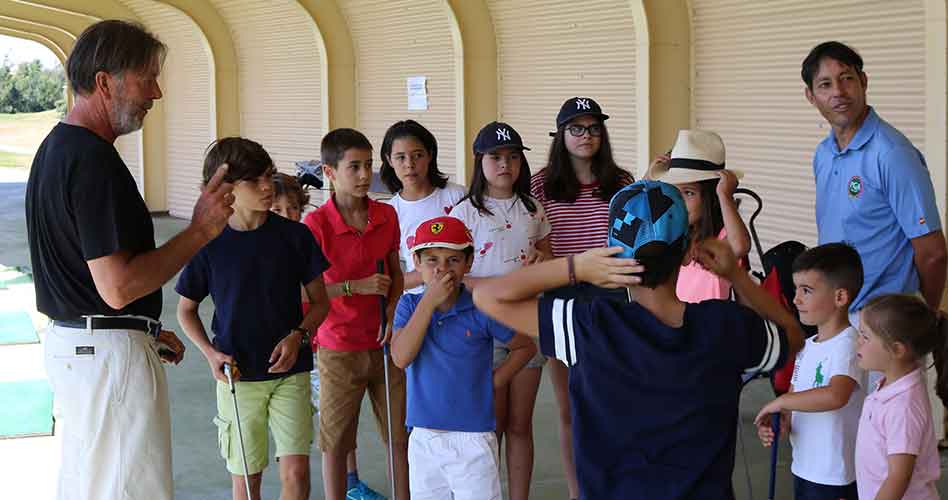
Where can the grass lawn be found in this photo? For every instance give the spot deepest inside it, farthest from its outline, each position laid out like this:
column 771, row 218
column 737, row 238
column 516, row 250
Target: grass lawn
column 25, row 131
column 8, row 160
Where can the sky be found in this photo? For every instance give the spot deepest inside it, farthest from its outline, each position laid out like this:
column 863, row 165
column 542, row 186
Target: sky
column 19, row 50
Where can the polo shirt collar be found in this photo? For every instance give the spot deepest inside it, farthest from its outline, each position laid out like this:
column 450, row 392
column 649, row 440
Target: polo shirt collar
column 865, row 132
column 377, row 217
column 900, row 386
column 465, row 302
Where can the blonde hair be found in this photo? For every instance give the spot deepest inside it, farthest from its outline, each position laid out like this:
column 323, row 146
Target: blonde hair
column 287, row 185
column 908, row 320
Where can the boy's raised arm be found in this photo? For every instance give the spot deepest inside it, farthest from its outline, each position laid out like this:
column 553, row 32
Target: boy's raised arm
column 717, row 257
column 512, row 298
column 407, row 340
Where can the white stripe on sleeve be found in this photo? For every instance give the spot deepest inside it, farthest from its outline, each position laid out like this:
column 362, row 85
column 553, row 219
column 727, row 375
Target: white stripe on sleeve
column 771, row 353
column 571, row 339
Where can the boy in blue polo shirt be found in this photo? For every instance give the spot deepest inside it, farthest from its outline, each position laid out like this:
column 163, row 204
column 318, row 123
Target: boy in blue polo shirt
column 253, row 271
column 446, row 346
column 654, row 382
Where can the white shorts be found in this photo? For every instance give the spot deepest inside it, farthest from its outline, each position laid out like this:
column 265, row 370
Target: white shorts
column 111, row 404
column 454, row 465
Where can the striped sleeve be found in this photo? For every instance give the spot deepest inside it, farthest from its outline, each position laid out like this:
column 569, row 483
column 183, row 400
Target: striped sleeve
column 767, row 344
column 558, row 328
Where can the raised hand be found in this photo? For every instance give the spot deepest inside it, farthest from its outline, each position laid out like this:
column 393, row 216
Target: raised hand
column 213, row 207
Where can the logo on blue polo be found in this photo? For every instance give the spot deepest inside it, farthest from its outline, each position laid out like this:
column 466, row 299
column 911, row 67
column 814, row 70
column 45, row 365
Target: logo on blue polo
column 855, row 186
column 503, row 134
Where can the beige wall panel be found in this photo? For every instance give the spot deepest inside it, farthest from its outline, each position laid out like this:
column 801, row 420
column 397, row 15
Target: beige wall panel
column 280, row 74
column 129, row 147
column 549, row 51
column 747, row 87
column 187, row 84
column 396, row 39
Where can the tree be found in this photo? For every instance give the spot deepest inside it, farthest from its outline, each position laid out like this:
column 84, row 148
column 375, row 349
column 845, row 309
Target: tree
column 30, row 87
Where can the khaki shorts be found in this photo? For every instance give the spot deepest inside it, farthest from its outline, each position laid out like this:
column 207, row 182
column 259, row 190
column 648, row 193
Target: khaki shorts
column 501, row 351
column 344, row 378
column 282, row 404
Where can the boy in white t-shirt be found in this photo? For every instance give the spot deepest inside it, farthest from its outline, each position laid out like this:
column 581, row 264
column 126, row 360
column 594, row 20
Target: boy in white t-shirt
column 828, row 386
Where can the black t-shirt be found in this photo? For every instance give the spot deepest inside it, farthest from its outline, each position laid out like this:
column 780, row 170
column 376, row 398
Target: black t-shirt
column 254, row 279
column 81, row 204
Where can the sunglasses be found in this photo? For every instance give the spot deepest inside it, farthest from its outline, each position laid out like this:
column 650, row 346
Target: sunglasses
column 594, row 130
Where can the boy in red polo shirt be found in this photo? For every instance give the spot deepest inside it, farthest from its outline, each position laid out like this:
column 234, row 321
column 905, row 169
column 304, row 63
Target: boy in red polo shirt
column 355, row 232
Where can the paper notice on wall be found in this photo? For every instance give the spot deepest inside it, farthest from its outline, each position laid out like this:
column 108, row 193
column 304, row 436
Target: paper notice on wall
column 417, row 93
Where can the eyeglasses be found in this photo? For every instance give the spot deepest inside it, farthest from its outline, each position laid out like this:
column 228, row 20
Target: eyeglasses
column 595, row 130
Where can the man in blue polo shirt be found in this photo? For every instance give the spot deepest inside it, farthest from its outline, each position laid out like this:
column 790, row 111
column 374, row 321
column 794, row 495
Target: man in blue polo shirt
column 873, row 189
column 654, row 382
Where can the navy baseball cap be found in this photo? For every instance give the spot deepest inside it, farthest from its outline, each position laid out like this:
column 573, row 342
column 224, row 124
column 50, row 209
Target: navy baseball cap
column 646, row 212
column 496, row 135
column 579, row 106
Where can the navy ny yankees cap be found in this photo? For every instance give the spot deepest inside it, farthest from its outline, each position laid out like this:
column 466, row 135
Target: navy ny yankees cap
column 496, row 135
column 579, row 106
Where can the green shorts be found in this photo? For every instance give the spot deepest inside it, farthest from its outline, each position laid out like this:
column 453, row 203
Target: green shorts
column 282, row 404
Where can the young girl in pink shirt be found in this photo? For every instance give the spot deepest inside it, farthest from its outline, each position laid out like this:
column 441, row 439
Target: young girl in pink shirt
column 896, row 454
column 696, row 167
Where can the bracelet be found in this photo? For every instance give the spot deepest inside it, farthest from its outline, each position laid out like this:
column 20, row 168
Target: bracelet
column 571, row 269
column 346, row 288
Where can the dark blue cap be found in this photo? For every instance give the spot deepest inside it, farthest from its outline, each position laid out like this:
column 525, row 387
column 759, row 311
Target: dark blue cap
column 497, row 135
column 647, row 212
column 579, row 106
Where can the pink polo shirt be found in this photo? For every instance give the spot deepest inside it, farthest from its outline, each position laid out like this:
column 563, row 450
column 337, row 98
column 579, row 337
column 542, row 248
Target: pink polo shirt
column 897, row 419
column 353, row 322
column 695, row 283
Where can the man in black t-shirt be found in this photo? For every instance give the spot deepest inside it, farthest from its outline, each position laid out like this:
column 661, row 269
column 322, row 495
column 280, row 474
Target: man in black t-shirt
column 98, row 273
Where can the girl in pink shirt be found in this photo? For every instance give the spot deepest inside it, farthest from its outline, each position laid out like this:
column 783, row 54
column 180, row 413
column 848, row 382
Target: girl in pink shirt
column 696, row 167
column 896, row 454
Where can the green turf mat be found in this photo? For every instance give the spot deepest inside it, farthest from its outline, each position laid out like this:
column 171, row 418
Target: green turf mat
column 26, row 409
column 17, row 328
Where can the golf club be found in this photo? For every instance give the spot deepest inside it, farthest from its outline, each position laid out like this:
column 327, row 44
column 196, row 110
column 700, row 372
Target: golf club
column 240, row 434
column 383, row 323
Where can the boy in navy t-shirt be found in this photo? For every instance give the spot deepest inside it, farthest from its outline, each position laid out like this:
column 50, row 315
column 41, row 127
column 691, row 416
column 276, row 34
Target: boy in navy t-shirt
column 253, row 271
column 654, row 382
column 446, row 347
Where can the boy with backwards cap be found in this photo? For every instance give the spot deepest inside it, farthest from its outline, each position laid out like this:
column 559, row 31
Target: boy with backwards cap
column 654, row 382
column 446, row 347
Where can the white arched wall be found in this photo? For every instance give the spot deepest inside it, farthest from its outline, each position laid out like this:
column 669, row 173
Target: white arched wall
column 547, row 53
column 280, row 77
column 398, row 39
column 187, row 83
column 747, row 87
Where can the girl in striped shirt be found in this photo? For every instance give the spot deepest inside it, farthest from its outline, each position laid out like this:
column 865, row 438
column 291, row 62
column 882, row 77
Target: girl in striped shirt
column 574, row 189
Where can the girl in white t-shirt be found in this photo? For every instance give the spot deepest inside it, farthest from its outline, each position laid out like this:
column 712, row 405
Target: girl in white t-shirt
column 510, row 230
column 410, row 170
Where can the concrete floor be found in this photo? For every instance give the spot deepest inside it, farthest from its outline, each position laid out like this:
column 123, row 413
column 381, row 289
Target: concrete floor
column 199, row 470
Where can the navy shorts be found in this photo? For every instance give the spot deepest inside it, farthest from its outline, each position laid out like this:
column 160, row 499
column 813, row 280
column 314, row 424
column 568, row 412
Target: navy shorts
column 806, row 490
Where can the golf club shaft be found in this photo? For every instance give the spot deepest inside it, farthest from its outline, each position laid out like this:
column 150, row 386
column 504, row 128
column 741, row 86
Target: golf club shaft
column 240, row 434
column 383, row 323
column 775, row 426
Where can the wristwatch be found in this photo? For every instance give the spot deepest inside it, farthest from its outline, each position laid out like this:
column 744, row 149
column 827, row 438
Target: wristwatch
column 305, row 334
